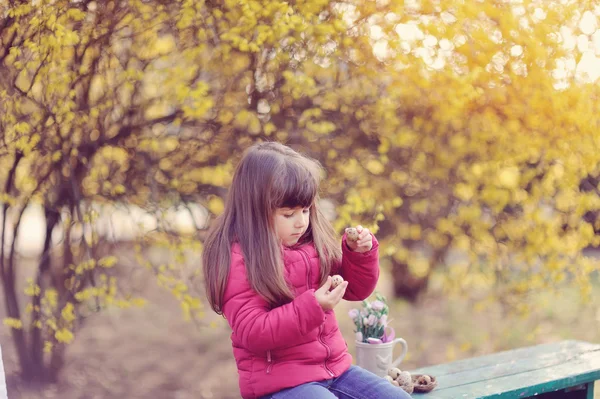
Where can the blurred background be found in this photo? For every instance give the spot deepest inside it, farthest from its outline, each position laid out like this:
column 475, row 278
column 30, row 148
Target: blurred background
column 465, row 134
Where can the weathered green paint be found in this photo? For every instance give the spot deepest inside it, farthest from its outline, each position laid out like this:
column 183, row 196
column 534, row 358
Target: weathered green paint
column 543, row 371
column 590, row 391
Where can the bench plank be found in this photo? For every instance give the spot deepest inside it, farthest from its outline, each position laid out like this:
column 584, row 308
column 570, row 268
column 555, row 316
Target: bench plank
column 508, row 368
column 518, row 373
column 541, row 350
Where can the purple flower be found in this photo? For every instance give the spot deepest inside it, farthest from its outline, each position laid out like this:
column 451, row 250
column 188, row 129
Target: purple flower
column 353, row 314
column 383, row 320
column 378, row 306
column 371, row 320
column 359, row 336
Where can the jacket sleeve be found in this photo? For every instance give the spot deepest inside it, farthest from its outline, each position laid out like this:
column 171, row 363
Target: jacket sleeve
column 259, row 328
column 361, row 270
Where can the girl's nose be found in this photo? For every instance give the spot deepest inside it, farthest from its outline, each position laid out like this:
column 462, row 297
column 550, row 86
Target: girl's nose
column 300, row 222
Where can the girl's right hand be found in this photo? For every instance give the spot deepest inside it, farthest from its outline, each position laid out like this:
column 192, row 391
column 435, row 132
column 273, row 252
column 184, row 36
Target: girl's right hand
column 328, row 299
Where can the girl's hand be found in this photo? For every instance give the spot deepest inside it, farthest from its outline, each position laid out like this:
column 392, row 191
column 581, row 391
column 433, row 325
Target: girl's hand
column 364, row 242
column 328, row 299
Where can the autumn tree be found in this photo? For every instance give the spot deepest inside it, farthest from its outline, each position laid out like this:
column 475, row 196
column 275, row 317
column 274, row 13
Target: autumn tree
column 467, row 132
column 457, row 131
column 85, row 122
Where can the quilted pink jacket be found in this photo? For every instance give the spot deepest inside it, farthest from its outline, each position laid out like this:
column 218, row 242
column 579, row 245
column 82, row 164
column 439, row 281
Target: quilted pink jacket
column 298, row 342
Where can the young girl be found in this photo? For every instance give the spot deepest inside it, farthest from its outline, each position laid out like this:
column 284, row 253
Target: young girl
column 267, row 264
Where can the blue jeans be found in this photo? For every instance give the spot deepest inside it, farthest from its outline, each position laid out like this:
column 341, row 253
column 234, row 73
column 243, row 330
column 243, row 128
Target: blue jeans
column 356, row 383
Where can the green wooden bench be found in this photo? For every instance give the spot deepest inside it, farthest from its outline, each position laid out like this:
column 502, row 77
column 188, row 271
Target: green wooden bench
column 564, row 370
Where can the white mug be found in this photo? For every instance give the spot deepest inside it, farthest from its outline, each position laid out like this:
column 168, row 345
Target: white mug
column 377, row 358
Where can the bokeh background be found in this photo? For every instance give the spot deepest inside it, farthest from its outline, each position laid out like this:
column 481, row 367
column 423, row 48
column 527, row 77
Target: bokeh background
column 464, row 134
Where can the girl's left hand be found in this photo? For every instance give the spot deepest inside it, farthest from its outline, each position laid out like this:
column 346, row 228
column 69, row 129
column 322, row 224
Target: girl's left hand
column 364, row 242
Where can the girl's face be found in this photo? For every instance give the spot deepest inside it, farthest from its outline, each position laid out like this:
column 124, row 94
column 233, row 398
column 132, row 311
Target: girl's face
column 290, row 224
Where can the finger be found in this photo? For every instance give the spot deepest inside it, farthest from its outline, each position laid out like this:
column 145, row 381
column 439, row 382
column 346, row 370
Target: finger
column 365, row 238
column 359, row 228
column 364, row 242
column 364, row 233
column 351, row 244
column 334, row 291
column 325, row 287
column 338, row 292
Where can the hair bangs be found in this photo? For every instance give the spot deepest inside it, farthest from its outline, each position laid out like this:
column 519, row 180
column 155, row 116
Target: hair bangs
column 296, row 187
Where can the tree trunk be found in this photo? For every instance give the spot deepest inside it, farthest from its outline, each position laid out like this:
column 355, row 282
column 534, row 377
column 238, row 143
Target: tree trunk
column 7, row 273
column 40, row 371
column 406, row 285
column 57, row 361
column 12, row 310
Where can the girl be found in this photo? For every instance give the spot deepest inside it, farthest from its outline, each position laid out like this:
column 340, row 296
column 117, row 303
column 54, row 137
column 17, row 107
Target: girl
column 267, row 264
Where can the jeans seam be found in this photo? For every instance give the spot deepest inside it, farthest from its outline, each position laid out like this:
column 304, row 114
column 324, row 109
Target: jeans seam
column 342, row 376
column 344, row 392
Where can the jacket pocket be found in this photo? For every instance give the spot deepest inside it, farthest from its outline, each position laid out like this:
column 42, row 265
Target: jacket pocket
column 269, row 362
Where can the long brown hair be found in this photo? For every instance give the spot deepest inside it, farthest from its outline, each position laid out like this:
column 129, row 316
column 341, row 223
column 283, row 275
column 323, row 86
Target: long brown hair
column 269, row 176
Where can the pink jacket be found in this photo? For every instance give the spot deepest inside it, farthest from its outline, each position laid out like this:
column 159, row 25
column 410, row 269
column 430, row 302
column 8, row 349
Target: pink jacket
column 298, row 342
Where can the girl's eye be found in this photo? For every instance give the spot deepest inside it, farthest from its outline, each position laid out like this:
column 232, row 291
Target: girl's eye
column 306, row 211
column 288, row 216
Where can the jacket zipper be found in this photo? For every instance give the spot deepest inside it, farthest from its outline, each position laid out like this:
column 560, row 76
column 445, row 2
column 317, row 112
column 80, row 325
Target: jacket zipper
column 328, row 351
column 305, row 257
column 270, row 362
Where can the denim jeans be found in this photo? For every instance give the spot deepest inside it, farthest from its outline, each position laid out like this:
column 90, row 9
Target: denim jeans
column 356, row 383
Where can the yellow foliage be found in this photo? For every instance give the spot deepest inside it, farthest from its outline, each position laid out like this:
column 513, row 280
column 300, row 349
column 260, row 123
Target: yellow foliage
column 64, row 336
column 108, row 261
column 216, row 205
column 68, row 312
column 48, row 347
column 470, row 134
column 13, row 323
column 32, row 289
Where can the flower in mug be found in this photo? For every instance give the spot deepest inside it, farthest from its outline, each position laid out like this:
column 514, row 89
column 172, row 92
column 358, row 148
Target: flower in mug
column 378, row 306
column 383, row 320
column 372, row 319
